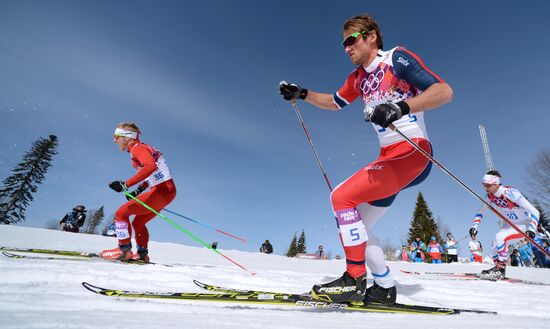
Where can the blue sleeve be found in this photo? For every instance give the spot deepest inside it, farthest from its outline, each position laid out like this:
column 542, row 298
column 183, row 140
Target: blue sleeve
column 409, row 67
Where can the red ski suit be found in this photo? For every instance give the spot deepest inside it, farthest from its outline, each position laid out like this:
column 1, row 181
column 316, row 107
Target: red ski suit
column 145, row 159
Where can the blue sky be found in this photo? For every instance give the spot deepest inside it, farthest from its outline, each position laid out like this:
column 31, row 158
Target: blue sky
column 200, row 79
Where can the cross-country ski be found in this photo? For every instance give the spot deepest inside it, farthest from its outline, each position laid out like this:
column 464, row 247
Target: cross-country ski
column 276, row 298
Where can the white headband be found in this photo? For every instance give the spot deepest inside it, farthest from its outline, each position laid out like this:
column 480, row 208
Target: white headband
column 125, row 133
column 491, row 179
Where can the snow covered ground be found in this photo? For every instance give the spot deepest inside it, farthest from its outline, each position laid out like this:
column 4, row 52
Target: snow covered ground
column 48, row 293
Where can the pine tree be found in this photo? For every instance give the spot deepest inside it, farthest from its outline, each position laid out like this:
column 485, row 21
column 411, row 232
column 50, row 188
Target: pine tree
column 93, row 222
column 301, row 247
column 292, row 249
column 423, row 224
column 16, row 194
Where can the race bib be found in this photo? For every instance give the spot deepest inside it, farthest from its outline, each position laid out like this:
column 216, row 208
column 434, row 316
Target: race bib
column 121, row 229
column 351, row 226
column 162, row 174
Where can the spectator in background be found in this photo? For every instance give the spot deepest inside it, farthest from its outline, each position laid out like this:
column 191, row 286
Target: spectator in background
column 266, row 247
column 214, row 245
column 539, row 255
column 514, row 258
column 525, row 253
column 420, row 244
column 435, row 250
column 111, row 230
column 451, row 246
column 416, row 254
column 320, row 254
column 404, row 255
column 74, row 220
column 476, row 250
column 546, row 247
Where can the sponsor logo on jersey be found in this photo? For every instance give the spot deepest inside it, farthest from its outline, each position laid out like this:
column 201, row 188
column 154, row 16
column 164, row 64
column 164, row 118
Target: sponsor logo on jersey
column 403, row 61
column 375, row 166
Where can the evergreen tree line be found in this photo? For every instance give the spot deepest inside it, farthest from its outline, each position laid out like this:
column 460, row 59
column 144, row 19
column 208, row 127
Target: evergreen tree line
column 18, row 188
column 422, row 225
column 297, row 245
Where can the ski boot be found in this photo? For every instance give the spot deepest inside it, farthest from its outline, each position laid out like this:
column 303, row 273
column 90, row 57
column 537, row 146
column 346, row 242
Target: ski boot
column 380, row 295
column 343, row 289
column 122, row 253
column 141, row 256
column 495, row 273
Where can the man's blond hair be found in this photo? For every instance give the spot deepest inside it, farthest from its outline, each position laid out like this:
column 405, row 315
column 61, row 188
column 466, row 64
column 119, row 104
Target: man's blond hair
column 129, row 126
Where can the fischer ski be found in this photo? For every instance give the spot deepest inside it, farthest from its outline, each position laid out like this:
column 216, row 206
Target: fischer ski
column 18, row 256
column 228, row 295
column 77, row 258
column 53, row 252
column 471, row 276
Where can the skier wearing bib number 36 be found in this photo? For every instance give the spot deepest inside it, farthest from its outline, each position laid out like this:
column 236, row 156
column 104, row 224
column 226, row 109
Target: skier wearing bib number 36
column 396, row 88
column 153, row 173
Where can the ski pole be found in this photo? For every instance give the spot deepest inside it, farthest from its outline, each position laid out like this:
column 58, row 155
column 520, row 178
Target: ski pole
column 185, row 231
column 204, row 225
column 446, row 249
column 467, row 188
column 463, row 238
column 299, row 115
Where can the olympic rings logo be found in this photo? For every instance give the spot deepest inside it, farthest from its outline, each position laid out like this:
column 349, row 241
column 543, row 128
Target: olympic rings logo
column 501, row 202
column 372, row 82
